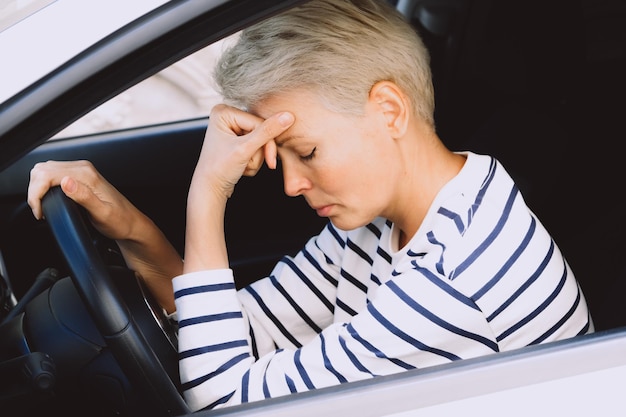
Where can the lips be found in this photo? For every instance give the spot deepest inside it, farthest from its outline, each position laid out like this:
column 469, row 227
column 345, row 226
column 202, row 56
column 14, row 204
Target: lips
column 323, row 211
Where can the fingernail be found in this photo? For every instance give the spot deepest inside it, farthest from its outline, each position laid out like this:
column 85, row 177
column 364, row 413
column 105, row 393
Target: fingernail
column 70, row 185
column 285, row 119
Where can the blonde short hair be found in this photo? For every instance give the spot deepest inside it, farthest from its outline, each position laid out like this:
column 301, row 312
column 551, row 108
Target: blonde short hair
column 337, row 48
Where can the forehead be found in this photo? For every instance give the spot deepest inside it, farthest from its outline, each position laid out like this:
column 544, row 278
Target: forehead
column 313, row 117
column 298, row 101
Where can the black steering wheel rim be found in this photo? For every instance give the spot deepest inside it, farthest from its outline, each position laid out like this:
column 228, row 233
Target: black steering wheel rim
column 106, row 305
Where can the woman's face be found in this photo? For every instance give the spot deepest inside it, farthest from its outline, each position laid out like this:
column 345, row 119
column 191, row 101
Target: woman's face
column 345, row 166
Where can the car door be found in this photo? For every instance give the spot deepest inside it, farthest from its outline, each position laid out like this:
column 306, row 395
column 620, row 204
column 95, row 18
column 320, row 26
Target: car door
column 151, row 160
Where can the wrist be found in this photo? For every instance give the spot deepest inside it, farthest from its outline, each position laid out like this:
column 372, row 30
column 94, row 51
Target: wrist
column 140, row 229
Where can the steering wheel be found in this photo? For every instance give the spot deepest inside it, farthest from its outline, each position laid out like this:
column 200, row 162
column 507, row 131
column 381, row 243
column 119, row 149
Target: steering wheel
column 111, row 314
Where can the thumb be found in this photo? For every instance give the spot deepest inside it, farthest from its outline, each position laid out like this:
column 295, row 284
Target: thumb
column 79, row 193
column 69, row 186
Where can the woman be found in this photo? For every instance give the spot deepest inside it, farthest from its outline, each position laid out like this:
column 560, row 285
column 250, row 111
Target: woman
column 429, row 255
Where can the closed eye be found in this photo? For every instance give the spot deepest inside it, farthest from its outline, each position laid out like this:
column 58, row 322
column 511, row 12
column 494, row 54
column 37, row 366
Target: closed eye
column 309, row 156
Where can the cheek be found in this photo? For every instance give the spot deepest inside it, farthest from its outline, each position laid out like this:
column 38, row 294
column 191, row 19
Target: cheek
column 331, row 178
column 356, row 165
column 347, row 178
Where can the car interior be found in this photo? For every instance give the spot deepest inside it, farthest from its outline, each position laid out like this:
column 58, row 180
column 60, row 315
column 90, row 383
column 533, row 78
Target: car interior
column 538, row 84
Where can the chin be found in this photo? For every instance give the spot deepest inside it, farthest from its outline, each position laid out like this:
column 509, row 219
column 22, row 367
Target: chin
column 349, row 224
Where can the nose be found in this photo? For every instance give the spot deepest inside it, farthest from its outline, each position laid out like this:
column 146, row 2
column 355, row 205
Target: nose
column 295, row 182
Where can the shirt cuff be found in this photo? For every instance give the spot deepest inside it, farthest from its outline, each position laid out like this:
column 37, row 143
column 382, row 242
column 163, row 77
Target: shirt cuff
column 172, row 317
column 194, row 279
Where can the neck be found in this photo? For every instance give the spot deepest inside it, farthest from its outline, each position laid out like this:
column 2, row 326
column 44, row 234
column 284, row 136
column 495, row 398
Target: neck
column 428, row 167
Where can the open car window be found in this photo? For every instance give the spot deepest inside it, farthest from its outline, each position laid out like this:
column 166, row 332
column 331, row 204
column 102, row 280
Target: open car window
column 183, row 91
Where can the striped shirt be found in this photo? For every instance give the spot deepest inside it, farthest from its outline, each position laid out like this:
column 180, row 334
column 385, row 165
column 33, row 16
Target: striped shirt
column 481, row 275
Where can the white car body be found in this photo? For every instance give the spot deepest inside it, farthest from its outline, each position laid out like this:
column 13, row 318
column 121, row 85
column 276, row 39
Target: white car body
column 55, row 32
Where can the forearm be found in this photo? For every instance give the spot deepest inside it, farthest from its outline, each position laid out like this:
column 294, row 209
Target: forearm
column 152, row 256
column 205, row 243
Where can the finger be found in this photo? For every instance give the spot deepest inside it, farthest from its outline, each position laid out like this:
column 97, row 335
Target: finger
column 258, row 132
column 254, row 164
column 46, row 175
column 39, row 184
column 270, row 152
column 37, row 190
column 34, row 202
column 264, row 137
column 272, row 127
column 81, row 194
column 235, row 120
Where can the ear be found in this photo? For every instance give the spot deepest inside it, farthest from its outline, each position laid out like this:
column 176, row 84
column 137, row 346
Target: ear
column 388, row 99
